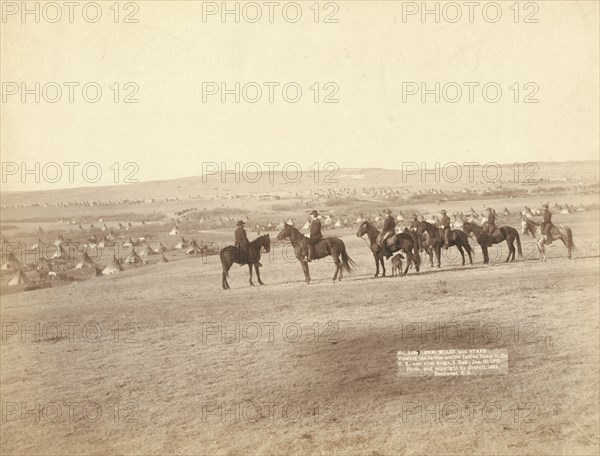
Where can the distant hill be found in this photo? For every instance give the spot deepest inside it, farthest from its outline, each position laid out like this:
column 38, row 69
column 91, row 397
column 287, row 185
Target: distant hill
column 411, row 179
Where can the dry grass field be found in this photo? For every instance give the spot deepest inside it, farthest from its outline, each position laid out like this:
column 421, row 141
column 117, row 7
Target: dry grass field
column 160, row 360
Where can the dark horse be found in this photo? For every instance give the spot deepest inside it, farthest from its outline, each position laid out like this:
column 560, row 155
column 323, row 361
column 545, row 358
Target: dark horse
column 432, row 240
column 400, row 241
column 326, row 246
column 232, row 254
column 460, row 240
column 505, row 233
column 429, row 237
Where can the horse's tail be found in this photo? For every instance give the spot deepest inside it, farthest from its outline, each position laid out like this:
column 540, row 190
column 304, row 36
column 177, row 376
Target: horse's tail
column 224, row 263
column 570, row 242
column 347, row 262
column 518, row 238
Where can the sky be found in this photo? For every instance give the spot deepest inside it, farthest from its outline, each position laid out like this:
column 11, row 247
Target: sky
column 361, row 80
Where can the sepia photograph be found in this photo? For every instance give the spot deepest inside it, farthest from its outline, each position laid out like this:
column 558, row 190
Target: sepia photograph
column 347, row 228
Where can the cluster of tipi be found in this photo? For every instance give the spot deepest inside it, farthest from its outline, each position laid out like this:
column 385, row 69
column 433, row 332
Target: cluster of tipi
column 13, row 264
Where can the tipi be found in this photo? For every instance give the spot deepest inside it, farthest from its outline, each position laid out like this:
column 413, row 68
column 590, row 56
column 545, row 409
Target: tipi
column 85, row 262
column 19, row 279
column 193, row 249
column 183, row 244
column 113, row 267
column 12, row 263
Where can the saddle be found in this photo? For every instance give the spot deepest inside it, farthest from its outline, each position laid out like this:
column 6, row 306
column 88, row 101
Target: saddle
column 248, row 256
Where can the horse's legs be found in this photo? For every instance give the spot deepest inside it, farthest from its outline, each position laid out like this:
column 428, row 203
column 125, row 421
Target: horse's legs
column 257, row 269
column 567, row 246
column 462, row 253
column 305, row 269
column 484, row 250
column 512, row 255
column 250, row 272
column 382, row 266
column 542, row 249
column 338, row 265
column 376, row 264
column 438, row 255
column 429, row 251
column 224, row 282
column 468, row 249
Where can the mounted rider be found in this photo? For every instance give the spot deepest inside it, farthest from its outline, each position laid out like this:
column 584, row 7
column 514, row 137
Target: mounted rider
column 445, row 227
column 546, row 225
column 389, row 229
column 415, row 230
column 491, row 221
column 241, row 242
column 315, row 233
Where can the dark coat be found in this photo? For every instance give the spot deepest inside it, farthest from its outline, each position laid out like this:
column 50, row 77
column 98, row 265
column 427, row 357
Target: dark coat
column 389, row 225
column 315, row 229
column 445, row 221
column 241, row 238
column 547, row 216
column 315, row 232
column 491, row 219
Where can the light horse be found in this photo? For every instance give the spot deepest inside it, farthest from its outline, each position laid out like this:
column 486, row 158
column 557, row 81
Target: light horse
column 231, row 254
column 401, row 242
column 561, row 232
column 326, row 247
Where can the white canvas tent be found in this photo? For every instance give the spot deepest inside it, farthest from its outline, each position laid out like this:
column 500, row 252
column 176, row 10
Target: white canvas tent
column 193, row 249
column 19, row 279
column 113, row 267
column 182, row 244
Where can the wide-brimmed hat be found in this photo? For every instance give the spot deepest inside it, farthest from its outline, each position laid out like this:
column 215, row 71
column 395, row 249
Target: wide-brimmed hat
column 415, row 216
column 240, row 223
column 315, row 213
column 545, row 205
column 387, row 211
column 489, row 208
column 443, row 211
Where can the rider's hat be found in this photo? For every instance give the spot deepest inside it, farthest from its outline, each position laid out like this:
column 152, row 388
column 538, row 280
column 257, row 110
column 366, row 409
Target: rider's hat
column 545, row 206
column 415, row 216
column 387, row 211
column 443, row 211
column 489, row 208
column 315, row 213
column 240, row 223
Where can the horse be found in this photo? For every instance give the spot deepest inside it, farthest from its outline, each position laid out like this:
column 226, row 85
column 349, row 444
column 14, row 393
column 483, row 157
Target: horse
column 326, row 247
column 401, row 241
column 506, row 233
column 562, row 232
column 232, row 254
column 429, row 237
column 460, row 240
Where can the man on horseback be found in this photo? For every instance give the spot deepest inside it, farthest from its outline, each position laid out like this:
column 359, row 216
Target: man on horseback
column 445, row 227
column 546, row 224
column 241, row 242
column 315, row 234
column 491, row 221
column 415, row 229
column 389, row 229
